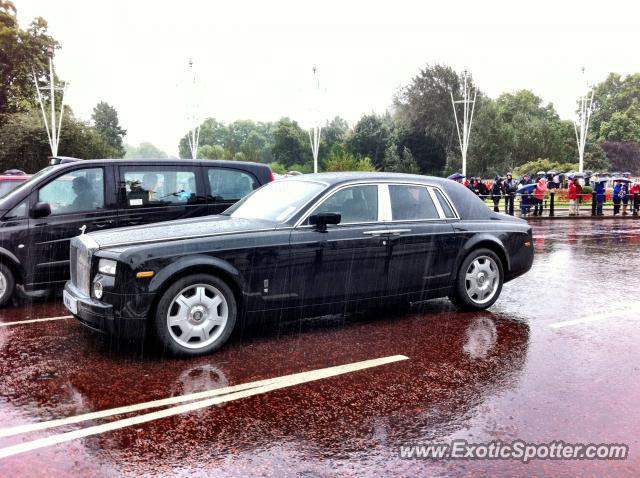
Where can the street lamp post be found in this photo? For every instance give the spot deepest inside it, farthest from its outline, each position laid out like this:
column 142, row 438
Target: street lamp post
column 194, row 133
column 53, row 128
column 468, row 106
column 315, row 129
column 581, row 124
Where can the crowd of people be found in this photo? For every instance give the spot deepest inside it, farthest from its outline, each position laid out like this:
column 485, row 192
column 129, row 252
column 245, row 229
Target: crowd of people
column 532, row 191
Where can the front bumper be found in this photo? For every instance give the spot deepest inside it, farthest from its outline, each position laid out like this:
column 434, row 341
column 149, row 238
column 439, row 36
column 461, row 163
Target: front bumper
column 105, row 317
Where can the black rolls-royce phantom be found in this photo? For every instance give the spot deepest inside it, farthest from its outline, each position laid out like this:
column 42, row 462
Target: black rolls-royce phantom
column 306, row 245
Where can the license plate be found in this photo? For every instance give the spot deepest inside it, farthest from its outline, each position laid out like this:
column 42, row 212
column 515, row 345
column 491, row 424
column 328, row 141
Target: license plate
column 69, row 302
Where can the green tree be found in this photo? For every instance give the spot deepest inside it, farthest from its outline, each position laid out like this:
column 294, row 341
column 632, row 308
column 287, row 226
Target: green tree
column 402, row 162
column 24, row 144
column 291, row 144
column 616, row 109
column 144, row 151
column 369, row 138
column 424, row 114
column 341, row 160
column 514, row 129
column 22, row 53
column 105, row 119
column 253, row 146
column 208, row 151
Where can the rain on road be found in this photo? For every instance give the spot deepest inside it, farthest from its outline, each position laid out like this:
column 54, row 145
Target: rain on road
column 556, row 358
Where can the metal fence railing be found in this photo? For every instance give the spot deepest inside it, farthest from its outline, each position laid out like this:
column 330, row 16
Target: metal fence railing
column 558, row 203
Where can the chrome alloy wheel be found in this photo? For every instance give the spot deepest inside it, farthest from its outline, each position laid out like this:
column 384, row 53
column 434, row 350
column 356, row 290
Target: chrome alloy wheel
column 482, row 279
column 197, row 316
column 3, row 285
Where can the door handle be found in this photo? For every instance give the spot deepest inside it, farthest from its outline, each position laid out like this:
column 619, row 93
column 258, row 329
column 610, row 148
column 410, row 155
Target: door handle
column 376, row 233
column 101, row 224
column 397, row 232
column 134, row 219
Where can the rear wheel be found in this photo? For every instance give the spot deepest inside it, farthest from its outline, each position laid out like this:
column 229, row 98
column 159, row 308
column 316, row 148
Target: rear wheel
column 196, row 315
column 7, row 284
column 479, row 281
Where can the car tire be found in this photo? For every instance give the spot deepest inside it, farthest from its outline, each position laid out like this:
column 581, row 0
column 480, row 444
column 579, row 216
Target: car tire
column 479, row 281
column 196, row 315
column 7, row 284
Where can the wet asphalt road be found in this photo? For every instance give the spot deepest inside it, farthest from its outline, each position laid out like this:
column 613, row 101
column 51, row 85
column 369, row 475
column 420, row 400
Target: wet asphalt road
column 518, row 371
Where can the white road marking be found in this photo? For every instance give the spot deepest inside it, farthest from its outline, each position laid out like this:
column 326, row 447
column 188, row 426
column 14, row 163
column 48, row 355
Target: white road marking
column 245, row 390
column 631, row 310
column 32, row 321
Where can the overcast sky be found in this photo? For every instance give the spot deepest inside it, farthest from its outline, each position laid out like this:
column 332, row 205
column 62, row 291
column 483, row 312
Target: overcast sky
column 253, row 59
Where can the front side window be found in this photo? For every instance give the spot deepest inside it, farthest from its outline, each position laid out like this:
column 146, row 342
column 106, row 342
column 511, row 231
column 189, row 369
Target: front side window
column 81, row 190
column 409, row 203
column 448, row 212
column 158, row 187
column 230, row 184
column 355, row 204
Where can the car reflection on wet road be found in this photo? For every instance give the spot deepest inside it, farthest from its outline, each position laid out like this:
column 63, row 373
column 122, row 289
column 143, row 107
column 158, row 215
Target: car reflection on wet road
column 556, row 358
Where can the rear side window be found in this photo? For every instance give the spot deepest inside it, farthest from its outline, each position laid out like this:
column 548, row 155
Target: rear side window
column 145, row 186
column 448, row 212
column 411, row 203
column 230, row 184
column 81, row 190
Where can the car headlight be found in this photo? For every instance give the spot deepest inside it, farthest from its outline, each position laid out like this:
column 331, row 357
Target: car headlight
column 97, row 290
column 107, row 266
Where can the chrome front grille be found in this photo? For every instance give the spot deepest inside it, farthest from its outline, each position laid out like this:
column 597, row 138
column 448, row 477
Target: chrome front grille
column 81, row 252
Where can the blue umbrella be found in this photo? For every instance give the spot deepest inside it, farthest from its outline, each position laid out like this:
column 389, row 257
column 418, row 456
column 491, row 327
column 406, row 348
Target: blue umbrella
column 456, row 176
column 526, row 188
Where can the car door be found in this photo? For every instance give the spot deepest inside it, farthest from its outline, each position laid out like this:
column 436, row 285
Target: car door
column 81, row 200
column 348, row 261
column 149, row 193
column 422, row 241
column 226, row 186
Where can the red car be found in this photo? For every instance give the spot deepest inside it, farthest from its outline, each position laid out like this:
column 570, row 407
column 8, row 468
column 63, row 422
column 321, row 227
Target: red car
column 8, row 182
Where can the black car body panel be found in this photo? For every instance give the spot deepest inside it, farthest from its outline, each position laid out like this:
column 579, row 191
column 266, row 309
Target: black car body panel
column 37, row 248
column 294, row 268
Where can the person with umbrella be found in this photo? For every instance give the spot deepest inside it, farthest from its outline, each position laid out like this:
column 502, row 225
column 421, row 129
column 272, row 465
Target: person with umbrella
column 621, row 195
column 509, row 187
column 601, row 193
column 457, row 177
column 634, row 192
column 525, row 191
column 575, row 194
column 496, row 193
column 482, row 189
column 538, row 196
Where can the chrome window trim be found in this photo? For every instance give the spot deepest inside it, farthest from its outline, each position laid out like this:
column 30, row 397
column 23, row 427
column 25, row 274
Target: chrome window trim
column 384, row 207
column 449, row 202
column 436, row 203
column 327, row 195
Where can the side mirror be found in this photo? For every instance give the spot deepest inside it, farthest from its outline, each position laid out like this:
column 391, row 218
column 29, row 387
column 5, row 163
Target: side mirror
column 41, row 209
column 321, row 220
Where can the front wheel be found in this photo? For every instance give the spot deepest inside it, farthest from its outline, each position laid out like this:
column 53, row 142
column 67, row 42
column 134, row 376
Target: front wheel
column 479, row 281
column 196, row 315
column 7, row 284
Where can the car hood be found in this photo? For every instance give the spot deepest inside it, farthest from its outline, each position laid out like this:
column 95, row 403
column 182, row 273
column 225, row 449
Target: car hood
column 178, row 230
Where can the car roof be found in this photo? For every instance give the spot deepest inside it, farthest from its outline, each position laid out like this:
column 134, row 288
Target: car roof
column 342, row 177
column 166, row 161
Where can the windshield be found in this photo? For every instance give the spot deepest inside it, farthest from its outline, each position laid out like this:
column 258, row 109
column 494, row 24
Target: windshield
column 25, row 185
column 10, row 185
column 277, row 201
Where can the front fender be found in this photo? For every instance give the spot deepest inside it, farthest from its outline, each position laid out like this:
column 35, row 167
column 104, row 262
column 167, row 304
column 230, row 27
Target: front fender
column 193, row 262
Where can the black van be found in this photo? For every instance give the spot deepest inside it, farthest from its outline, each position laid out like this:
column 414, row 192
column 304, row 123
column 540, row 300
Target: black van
column 38, row 219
